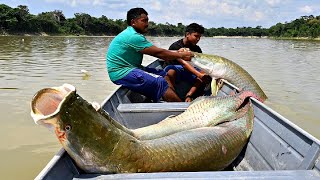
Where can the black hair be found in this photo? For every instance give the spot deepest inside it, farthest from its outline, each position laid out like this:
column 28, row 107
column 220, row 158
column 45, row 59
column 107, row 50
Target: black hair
column 135, row 13
column 194, row 27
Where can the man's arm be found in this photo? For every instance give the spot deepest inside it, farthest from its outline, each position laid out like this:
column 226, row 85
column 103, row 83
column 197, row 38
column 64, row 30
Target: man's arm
column 200, row 75
column 186, row 65
column 166, row 54
column 190, row 68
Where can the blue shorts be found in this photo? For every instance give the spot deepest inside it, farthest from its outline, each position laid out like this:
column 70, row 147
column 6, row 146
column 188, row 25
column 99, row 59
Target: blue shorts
column 150, row 83
column 182, row 74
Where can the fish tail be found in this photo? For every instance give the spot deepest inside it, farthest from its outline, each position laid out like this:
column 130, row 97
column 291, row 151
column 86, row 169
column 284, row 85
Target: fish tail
column 245, row 94
column 241, row 112
column 245, row 118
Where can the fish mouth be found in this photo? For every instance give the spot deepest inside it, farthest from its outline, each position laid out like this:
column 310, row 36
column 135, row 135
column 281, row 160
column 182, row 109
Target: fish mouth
column 46, row 103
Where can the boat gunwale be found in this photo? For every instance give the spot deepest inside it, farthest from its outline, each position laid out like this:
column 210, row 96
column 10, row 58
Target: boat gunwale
column 51, row 164
column 278, row 115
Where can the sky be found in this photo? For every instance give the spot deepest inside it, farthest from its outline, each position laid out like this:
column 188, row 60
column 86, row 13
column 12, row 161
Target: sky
column 209, row 13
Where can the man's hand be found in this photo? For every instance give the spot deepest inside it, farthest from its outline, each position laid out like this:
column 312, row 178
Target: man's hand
column 186, row 54
column 184, row 50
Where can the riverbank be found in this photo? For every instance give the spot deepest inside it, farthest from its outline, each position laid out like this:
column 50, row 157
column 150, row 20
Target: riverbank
column 267, row 37
column 52, row 35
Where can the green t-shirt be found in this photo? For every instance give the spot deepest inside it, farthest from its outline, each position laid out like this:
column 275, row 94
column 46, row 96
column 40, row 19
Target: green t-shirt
column 124, row 53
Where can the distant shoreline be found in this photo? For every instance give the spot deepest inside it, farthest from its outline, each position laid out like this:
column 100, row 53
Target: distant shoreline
column 267, row 37
column 217, row 37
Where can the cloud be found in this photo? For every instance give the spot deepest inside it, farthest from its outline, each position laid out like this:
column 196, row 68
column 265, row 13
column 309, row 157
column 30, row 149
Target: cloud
column 75, row 3
column 256, row 16
column 52, row 1
column 273, row 2
column 208, row 13
column 306, row 9
column 98, row 2
column 156, row 5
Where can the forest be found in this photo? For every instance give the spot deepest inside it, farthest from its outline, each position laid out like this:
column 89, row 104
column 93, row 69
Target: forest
column 19, row 21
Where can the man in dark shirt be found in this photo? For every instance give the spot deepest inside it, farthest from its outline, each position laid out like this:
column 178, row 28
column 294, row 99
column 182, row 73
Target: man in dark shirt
column 180, row 69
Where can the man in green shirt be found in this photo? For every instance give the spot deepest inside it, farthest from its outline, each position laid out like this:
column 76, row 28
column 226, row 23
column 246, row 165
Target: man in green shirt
column 124, row 59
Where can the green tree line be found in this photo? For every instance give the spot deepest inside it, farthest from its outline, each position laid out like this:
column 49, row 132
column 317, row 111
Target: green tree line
column 19, row 20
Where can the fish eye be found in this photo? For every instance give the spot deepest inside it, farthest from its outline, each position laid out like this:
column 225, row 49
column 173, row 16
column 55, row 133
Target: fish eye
column 67, row 127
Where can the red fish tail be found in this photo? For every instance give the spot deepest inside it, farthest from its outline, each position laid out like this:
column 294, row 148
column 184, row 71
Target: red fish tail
column 245, row 94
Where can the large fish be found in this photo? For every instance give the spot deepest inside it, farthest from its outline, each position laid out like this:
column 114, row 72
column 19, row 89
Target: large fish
column 99, row 145
column 203, row 111
column 220, row 67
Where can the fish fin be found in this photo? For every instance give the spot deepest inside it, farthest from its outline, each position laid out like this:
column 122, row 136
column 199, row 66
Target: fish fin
column 216, row 85
column 250, row 118
column 171, row 116
column 242, row 111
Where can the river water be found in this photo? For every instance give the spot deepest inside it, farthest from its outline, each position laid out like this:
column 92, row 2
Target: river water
column 287, row 70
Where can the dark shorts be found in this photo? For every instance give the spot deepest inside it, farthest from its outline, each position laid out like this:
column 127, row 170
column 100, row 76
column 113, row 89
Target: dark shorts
column 182, row 74
column 150, row 83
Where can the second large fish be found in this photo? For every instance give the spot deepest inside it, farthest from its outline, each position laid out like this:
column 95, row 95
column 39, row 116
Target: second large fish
column 202, row 112
column 220, row 67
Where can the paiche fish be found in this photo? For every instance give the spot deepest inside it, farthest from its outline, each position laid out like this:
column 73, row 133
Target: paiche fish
column 99, row 145
column 203, row 111
column 220, row 67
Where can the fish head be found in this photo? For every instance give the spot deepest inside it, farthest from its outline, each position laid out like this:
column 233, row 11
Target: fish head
column 45, row 109
column 64, row 112
column 212, row 65
column 87, row 135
